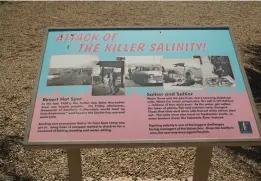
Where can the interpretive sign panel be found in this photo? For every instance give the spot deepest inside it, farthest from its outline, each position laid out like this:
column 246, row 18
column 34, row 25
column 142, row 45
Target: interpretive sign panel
column 141, row 86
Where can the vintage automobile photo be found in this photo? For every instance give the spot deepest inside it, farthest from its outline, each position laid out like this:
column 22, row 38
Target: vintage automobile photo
column 142, row 71
column 146, row 76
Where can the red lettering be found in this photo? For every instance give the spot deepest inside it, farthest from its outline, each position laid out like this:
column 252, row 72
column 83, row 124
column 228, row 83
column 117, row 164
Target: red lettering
column 81, row 46
column 114, row 47
column 192, row 46
column 141, row 47
column 204, row 46
column 153, row 47
column 114, row 36
column 133, row 46
column 199, row 46
column 180, row 46
column 119, row 48
column 95, row 37
column 87, row 37
column 79, row 37
column 167, row 47
column 59, row 38
column 72, row 36
column 88, row 48
column 126, row 48
column 96, row 47
column 173, row 47
column 186, row 49
column 106, row 37
column 160, row 47
column 67, row 36
column 108, row 47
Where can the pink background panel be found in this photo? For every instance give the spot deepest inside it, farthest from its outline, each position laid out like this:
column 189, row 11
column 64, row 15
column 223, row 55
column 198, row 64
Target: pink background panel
column 137, row 123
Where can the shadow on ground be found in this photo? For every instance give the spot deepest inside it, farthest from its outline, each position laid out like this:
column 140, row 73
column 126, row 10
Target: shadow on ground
column 252, row 153
column 3, row 2
column 254, row 75
column 253, row 53
column 6, row 145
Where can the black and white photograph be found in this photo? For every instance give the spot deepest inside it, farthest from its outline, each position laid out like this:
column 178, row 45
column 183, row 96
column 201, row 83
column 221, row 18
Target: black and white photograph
column 108, row 78
column 142, row 71
column 217, row 71
column 182, row 74
column 71, row 70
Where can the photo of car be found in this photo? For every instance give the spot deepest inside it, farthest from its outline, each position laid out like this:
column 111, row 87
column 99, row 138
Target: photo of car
column 146, row 76
column 142, row 71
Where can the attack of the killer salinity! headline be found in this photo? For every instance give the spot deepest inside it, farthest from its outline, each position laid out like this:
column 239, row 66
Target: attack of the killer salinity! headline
column 88, row 44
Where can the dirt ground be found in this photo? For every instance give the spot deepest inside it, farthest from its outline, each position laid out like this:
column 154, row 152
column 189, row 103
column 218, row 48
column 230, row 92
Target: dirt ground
column 21, row 35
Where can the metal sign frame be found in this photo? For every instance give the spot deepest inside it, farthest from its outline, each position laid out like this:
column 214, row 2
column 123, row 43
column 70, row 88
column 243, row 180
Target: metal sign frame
column 142, row 143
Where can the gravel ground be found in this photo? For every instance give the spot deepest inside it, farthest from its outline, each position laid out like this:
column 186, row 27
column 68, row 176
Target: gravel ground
column 21, row 34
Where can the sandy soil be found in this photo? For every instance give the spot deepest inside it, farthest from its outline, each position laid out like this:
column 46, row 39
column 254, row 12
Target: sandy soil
column 21, row 36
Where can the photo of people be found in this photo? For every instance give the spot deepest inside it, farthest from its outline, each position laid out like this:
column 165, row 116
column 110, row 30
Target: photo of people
column 217, row 71
column 182, row 74
column 71, row 70
column 108, row 78
column 142, row 71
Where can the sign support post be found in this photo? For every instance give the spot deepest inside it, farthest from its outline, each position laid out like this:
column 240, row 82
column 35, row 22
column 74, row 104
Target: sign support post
column 74, row 164
column 202, row 163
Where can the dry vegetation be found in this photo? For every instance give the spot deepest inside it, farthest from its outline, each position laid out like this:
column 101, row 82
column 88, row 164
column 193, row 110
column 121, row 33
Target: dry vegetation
column 21, row 35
